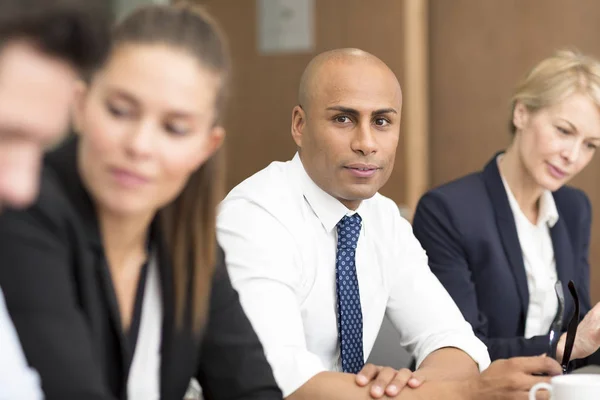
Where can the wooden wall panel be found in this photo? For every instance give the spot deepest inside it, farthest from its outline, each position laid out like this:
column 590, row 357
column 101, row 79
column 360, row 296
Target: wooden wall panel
column 265, row 87
column 479, row 49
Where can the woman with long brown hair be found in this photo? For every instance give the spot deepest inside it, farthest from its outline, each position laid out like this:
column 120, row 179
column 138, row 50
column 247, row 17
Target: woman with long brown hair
column 114, row 279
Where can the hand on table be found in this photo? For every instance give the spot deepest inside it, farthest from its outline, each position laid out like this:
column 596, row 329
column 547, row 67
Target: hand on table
column 387, row 380
column 513, row 378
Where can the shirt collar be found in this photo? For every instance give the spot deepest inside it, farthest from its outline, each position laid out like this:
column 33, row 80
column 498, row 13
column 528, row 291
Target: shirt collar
column 548, row 212
column 327, row 208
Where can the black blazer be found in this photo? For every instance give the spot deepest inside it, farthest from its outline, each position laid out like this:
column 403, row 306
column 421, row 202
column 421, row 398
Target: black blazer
column 60, row 295
column 468, row 230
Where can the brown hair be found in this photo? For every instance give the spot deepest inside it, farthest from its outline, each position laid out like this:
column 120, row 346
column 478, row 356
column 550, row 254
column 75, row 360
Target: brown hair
column 188, row 224
column 556, row 78
column 75, row 31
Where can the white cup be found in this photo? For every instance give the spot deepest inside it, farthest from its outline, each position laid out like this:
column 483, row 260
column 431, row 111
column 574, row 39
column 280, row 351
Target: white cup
column 570, row 387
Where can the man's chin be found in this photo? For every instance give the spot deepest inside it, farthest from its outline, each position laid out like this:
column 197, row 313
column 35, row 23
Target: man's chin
column 362, row 195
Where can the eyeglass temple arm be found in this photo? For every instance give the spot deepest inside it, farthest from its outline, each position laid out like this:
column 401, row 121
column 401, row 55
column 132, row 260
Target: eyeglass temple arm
column 556, row 327
column 571, row 329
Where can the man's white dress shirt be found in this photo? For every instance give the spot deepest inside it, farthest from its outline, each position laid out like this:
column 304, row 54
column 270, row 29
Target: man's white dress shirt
column 539, row 261
column 17, row 379
column 278, row 230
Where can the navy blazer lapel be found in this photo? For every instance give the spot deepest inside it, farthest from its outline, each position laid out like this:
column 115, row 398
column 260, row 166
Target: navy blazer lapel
column 507, row 228
column 563, row 255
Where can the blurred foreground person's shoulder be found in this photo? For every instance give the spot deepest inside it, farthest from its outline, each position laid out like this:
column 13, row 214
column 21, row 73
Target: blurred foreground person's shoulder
column 44, row 46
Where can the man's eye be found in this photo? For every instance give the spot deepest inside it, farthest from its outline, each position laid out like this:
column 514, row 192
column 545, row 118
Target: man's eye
column 381, row 122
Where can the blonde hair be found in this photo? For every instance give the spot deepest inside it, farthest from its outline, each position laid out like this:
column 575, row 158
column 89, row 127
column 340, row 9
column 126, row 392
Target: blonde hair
column 554, row 79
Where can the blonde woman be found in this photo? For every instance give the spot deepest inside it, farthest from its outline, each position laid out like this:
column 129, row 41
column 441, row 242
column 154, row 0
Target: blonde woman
column 500, row 239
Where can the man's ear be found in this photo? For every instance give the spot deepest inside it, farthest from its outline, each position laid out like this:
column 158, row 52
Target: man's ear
column 298, row 124
column 79, row 99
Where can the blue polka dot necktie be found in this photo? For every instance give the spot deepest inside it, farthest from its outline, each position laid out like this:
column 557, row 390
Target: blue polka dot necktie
column 350, row 325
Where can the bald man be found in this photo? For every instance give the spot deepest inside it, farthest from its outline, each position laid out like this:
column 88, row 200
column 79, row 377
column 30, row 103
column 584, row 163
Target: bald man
column 319, row 256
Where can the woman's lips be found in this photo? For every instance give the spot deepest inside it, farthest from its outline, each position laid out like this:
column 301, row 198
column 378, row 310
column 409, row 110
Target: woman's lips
column 128, row 178
column 556, row 172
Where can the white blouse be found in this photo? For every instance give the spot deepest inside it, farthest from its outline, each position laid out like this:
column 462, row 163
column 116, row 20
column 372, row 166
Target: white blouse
column 540, row 265
column 143, row 382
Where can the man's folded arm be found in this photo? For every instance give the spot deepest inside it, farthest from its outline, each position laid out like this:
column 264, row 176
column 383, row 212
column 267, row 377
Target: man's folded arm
column 448, row 363
column 336, row 385
column 427, row 318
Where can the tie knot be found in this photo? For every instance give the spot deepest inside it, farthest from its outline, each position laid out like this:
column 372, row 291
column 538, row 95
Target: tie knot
column 348, row 230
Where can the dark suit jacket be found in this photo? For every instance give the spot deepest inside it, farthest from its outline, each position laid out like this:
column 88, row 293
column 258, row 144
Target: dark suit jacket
column 59, row 293
column 468, row 231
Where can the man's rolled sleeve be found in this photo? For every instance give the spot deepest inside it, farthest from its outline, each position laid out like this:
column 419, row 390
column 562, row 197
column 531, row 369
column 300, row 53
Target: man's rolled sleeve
column 423, row 311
